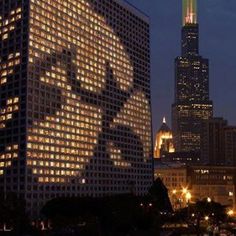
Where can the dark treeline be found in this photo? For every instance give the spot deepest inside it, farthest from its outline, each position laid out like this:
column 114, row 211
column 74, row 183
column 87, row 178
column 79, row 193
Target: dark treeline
column 111, row 215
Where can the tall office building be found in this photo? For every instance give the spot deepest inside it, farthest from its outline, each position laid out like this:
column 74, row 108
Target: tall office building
column 75, row 117
column 192, row 104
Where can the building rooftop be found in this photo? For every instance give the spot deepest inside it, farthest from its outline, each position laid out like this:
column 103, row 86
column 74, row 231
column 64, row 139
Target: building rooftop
column 164, row 127
column 168, row 165
column 133, row 9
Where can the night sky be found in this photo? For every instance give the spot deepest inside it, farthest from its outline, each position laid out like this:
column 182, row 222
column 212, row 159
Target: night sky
column 217, row 19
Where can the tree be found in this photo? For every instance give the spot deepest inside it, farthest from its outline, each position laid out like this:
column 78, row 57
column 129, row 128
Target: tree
column 158, row 194
column 110, row 215
column 204, row 210
column 13, row 212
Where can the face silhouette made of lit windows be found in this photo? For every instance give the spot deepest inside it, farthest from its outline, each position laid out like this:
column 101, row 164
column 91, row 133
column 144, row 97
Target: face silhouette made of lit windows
column 82, row 101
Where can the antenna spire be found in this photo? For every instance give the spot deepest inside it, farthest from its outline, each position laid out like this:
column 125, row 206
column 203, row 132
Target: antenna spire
column 164, row 120
column 189, row 12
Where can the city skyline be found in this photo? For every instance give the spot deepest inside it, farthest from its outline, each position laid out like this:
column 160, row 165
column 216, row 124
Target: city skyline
column 84, row 85
column 216, row 20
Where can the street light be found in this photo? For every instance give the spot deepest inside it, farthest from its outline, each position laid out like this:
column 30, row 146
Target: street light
column 184, row 190
column 188, row 196
column 209, row 199
column 206, row 218
column 230, row 213
column 174, row 191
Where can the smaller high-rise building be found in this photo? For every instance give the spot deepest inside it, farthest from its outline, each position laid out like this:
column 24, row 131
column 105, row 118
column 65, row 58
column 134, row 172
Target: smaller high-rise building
column 186, row 158
column 218, row 142
column 230, row 145
column 164, row 140
column 212, row 141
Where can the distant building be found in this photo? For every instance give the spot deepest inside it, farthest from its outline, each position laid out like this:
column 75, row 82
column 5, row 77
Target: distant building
column 192, row 104
column 215, row 182
column 175, row 178
column 212, row 141
column 218, row 142
column 230, row 145
column 164, row 141
column 187, row 158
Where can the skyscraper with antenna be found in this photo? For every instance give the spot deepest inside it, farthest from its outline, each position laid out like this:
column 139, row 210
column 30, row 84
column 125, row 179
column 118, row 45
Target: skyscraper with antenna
column 192, row 105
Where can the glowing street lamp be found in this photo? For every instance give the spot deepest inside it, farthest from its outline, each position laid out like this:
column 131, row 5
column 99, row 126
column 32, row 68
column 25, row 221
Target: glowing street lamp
column 206, row 218
column 230, row 213
column 184, row 190
column 209, row 199
column 188, row 196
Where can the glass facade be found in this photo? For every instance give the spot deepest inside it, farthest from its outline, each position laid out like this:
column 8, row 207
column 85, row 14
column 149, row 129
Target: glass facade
column 86, row 99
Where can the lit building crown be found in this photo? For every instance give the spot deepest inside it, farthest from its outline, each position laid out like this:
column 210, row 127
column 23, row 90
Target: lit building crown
column 164, row 140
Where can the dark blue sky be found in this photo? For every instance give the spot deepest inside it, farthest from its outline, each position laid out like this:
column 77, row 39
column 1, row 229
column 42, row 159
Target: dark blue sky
column 217, row 19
